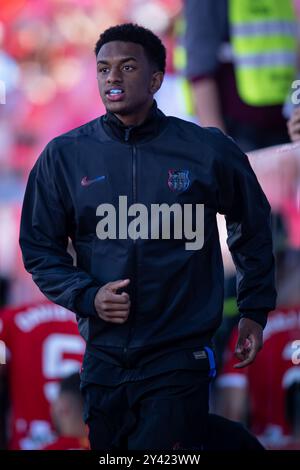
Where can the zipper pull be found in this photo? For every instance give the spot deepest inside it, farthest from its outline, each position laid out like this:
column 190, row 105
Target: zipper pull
column 127, row 132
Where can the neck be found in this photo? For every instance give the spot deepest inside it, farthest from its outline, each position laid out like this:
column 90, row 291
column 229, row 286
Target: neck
column 151, row 124
column 137, row 118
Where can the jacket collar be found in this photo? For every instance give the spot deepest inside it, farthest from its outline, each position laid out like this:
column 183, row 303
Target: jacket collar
column 149, row 129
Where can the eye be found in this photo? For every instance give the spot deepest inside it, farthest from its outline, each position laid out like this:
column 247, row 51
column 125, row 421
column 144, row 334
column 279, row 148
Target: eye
column 103, row 70
column 128, row 68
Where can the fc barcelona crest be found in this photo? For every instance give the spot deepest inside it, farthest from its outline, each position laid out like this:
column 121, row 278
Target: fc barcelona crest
column 178, row 180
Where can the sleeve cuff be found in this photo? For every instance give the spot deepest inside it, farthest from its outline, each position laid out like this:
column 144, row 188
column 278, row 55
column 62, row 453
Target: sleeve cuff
column 260, row 317
column 84, row 304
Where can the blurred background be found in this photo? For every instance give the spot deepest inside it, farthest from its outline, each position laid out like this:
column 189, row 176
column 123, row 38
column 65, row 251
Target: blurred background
column 48, row 86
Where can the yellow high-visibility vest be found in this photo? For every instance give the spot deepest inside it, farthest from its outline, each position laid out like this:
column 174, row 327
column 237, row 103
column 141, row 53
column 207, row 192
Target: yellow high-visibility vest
column 264, row 42
column 179, row 62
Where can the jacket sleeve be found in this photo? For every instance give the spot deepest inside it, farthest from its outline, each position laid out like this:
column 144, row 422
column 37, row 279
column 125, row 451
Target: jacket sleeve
column 44, row 231
column 247, row 214
column 206, row 29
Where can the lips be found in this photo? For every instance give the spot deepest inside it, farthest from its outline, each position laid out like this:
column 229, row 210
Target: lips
column 115, row 94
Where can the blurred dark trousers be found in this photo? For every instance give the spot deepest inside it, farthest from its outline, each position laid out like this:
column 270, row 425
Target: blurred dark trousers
column 168, row 411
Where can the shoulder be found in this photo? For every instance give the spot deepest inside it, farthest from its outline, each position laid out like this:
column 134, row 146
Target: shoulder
column 63, row 147
column 72, row 137
column 209, row 137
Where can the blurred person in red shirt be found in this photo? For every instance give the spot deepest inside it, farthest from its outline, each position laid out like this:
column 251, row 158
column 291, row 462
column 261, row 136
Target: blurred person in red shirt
column 292, row 408
column 42, row 346
column 292, row 405
column 66, row 413
column 258, row 392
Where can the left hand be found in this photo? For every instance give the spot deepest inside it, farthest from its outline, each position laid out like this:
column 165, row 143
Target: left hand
column 250, row 342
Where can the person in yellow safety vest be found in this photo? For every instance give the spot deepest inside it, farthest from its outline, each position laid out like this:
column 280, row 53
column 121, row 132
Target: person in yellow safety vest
column 241, row 61
column 264, row 43
column 179, row 62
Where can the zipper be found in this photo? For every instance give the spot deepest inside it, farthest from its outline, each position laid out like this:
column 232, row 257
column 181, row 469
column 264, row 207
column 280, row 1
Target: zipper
column 134, row 200
column 127, row 133
column 134, row 177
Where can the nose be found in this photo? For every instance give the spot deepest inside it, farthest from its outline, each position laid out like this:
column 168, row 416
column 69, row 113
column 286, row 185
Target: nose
column 114, row 76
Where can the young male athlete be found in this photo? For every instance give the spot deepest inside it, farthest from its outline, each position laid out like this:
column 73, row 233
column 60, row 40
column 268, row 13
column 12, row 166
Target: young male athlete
column 138, row 192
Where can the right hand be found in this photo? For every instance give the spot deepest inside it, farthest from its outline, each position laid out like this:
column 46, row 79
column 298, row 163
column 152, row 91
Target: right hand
column 110, row 306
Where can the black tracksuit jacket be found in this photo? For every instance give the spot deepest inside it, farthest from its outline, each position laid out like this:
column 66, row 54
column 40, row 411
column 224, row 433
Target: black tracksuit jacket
column 176, row 294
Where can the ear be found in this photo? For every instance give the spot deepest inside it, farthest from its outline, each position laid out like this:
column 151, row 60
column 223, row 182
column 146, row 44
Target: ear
column 156, row 82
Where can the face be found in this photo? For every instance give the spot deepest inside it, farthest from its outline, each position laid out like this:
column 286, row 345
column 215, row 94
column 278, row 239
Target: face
column 127, row 80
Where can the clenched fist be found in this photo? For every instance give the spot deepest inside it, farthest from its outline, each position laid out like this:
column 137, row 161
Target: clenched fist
column 110, row 306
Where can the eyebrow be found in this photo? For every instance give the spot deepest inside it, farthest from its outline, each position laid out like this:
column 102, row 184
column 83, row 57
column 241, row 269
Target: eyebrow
column 122, row 60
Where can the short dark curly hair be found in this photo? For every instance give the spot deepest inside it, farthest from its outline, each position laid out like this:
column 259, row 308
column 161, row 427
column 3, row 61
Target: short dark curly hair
column 129, row 32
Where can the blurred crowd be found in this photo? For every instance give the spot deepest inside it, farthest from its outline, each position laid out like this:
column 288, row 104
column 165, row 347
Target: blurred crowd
column 47, row 65
column 48, row 86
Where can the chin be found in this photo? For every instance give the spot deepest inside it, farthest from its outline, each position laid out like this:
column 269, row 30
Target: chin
column 118, row 108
